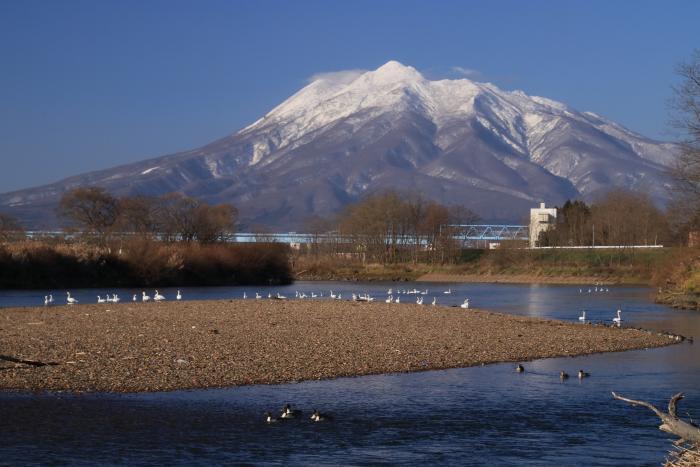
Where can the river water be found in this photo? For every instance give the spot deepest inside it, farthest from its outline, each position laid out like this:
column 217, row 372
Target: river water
column 487, row 415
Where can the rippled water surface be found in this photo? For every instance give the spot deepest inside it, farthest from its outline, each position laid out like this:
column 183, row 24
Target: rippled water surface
column 474, row 416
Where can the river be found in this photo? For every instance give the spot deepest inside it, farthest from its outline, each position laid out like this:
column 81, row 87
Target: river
column 487, row 415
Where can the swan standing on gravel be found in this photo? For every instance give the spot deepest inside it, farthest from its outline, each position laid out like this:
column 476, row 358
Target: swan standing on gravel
column 70, row 300
column 465, row 304
column 144, row 297
column 158, row 297
column 179, row 295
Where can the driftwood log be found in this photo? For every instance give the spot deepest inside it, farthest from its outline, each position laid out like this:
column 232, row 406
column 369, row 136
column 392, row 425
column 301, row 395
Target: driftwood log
column 686, row 431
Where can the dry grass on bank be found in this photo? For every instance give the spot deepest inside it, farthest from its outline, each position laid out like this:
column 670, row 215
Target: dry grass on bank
column 141, row 262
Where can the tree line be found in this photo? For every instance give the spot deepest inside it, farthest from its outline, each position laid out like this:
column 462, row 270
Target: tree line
column 172, row 217
column 621, row 217
column 391, row 227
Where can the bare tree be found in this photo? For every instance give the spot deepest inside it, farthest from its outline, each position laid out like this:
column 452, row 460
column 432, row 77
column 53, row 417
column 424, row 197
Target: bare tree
column 625, row 217
column 213, row 223
column 685, row 108
column 137, row 214
column 93, row 210
column 10, row 230
column 175, row 217
column 183, row 218
column 322, row 232
column 393, row 227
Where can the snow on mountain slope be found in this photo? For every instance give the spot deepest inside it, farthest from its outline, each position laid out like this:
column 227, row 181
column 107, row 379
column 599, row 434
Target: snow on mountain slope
column 348, row 134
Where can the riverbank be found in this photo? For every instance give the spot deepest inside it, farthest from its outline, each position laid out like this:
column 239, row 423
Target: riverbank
column 681, row 288
column 614, row 266
column 521, row 279
column 185, row 345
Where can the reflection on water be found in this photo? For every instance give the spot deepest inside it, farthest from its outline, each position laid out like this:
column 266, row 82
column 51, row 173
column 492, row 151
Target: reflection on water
column 478, row 416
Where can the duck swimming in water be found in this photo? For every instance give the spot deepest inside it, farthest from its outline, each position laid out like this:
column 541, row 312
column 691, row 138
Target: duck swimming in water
column 288, row 412
column 269, row 418
column 519, row 368
column 582, row 374
column 564, row 375
column 319, row 417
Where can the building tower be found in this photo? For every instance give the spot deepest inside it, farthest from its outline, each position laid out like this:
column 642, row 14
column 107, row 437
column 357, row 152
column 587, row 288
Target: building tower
column 541, row 220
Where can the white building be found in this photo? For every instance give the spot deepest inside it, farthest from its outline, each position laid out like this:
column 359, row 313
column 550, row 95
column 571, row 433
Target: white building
column 541, row 220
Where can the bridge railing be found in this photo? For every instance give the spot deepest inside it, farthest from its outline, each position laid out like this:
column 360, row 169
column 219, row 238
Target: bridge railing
column 461, row 232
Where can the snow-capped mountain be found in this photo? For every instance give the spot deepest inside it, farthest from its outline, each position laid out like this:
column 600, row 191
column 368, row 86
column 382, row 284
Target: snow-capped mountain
column 348, row 134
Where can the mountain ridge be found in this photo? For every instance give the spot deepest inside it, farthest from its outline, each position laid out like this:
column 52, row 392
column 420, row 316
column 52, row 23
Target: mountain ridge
column 342, row 137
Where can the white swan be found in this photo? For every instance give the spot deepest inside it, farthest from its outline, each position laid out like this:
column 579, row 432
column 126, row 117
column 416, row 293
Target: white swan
column 158, row 297
column 618, row 319
column 144, row 297
column 100, row 300
column 465, row 304
column 434, row 301
column 179, row 295
column 116, row 299
column 257, row 296
column 50, row 298
column 244, row 295
column 419, row 300
column 46, row 300
column 398, row 300
column 448, row 291
column 134, row 298
column 583, row 316
column 70, row 300
column 389, row 299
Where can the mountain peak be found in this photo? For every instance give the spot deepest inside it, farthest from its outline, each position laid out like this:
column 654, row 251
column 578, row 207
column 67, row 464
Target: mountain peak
column 396, row 71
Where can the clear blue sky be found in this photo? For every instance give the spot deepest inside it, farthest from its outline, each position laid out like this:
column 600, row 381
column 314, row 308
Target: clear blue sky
column 91, row 84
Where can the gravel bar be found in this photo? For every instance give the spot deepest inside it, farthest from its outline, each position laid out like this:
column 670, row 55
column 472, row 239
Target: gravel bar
column 137, row 347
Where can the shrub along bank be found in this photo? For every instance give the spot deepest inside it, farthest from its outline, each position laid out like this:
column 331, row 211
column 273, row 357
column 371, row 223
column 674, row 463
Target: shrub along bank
column 141, row 262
